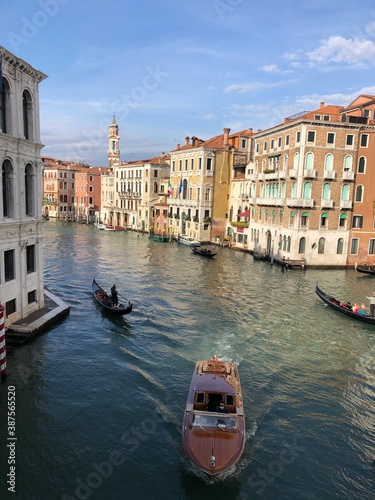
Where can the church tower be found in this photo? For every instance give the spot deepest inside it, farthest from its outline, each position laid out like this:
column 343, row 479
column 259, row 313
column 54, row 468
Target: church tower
column 113, row 144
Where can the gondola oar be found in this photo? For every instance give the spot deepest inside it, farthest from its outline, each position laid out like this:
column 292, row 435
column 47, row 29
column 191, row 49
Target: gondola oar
column 130, row 302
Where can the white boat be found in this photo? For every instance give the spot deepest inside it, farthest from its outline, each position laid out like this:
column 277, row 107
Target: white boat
column 184, row 239
column 98, row 225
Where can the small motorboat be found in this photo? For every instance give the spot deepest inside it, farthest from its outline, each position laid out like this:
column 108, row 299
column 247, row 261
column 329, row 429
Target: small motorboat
column 203, row 252
column 105, row 301
column 114, row 228
column 213, row 431
column 184, row 239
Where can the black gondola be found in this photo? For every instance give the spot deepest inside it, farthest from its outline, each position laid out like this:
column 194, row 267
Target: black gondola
column 105, row 301
column 204, row 252
column 345, row 309
column 365, row 269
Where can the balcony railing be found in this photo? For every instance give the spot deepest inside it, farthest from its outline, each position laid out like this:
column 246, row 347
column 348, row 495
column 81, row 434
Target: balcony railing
column 299, row 202
column 293, row 172
column 346, row 204
column 327, row 203
column 329, row 174
column 348, row 175
column 309, row 172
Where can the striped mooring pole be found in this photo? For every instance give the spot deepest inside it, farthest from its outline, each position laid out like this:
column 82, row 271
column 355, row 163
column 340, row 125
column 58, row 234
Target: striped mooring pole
column 3, row 356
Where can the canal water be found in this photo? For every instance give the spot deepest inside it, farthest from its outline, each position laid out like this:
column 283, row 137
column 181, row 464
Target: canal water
column 100, row 399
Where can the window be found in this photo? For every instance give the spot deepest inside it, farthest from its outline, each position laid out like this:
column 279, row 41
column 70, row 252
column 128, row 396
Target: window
column 304, row 217
column 272, row 144
column 354, row 246
column 323, row 220
column 9, row 270
column 321, row 245
column 330, row 139
column 8, row 195
column 265, row 146
column 326, row 192
column 311, row 136
column 29, row 190
column 287, row 138
column 279, row 142
column 192, row 164
column 371, row 247
column 243, row 143
column 199, row 163
column 362, row 165
column 10, row 307
column 348, row 161
column 298, row 137
column 30, row 259
column 350, row 140
column 27, row 115
column 364, row 140
column 357, row 221
column 340, row 246
column 4, row 106
column 302, row 245
column 186, row 165
column 306, row 191
column 342, row 221
column 31, row 297
column 180, row 165
column 209, row 164
column 328, row 163
column 309, row 161
column 359, row 194
column 345, row 190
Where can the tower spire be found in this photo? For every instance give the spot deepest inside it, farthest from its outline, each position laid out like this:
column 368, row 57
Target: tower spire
column 113, row 143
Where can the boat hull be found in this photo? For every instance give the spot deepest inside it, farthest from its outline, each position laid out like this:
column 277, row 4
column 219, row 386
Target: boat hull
column 187, row 240
column 105, row 301
column 335, row 304
column 214, row 441
column 203, row 253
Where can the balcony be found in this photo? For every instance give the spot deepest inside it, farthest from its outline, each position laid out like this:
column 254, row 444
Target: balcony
column 346, row 204
column 348, row 175
column 270, row 202
column 327, row 203
column 293, row 173
column 282, row 174
column 329, row 174
column 299, row 203
column 310, row 173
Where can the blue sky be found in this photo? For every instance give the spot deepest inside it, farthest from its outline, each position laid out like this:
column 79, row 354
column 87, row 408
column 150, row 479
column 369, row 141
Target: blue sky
column 174, row 68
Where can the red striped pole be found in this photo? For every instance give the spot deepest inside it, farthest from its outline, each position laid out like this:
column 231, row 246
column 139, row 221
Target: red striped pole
column 3, row 355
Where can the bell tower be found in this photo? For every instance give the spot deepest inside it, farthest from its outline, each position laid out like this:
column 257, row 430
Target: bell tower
column 113, row 144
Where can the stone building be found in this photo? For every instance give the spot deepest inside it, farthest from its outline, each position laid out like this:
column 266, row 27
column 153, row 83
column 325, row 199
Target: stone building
column 21, row 235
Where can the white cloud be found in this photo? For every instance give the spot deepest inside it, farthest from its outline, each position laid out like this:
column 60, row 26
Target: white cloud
column 270, row 68
column 346, row 51
column 242, row 88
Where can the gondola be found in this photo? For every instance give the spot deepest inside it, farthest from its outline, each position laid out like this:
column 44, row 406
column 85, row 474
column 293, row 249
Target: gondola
column 365, row 270
column 105, row 301
column 203, row 252
column 213, row 430
column 343, row 308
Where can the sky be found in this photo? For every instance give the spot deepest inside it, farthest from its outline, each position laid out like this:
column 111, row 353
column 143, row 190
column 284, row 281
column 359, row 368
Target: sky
column 168, row 69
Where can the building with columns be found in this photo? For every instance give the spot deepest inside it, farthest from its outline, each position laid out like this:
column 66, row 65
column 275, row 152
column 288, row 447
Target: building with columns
column 21, row 190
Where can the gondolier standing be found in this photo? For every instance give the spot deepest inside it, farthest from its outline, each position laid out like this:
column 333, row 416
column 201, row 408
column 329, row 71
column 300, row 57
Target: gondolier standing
column 115, row 296
column 372, row 305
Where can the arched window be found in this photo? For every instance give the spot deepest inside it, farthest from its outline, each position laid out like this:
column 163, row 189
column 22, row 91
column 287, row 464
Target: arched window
column 328, row 163
column 146, row 187
column 184, row 189
column 5, row 111
column 304, row 218
column 29, row 190
column 302, row 245
column 348, row 161
column 326, row 192
column 309, row 161
column 284, row 243
column 359, row 193
column 65, row 198
column 8, row 189
column 280, row 242
column 362, row 165
column 155, row 187
column 323, row 220
column 307, row 191
column 345, row 192
column 61, row 198
column 294, row 190
column 27, row 115
column 288, row 244
column 342, row 220
column 321, row 245
column 296, row 161
column 340, row 246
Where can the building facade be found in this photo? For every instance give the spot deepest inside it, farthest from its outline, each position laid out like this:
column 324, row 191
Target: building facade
column 21, row 235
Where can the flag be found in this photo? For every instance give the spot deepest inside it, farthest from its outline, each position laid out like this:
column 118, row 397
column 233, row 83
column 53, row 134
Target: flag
column 169, row 187
column 180, row 188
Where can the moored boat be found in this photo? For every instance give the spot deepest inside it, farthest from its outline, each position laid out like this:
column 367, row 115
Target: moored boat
column 213, row 431
column 365, row 269
column 114, row 228
column 203, row 252
column 344, row 308
column 163, row 238
column 184, row 239
column 105, row 301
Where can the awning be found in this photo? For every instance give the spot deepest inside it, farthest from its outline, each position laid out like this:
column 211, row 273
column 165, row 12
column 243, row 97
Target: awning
column 246, row 213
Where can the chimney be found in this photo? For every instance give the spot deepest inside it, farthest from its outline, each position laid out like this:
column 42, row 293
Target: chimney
column 322, row 104
column 178, row 146
column 187, row 139
column 226, row 134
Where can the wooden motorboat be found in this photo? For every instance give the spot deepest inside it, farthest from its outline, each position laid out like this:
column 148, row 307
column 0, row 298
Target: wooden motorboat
column 105, row 301
column 184, row 239
column 114, row 228
column 204, row 252
column 344, row 308
column 214, row 438
column 365, row 269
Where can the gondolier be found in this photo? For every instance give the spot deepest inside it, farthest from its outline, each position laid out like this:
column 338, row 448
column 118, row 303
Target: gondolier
column 114, row 296
column 372, row 305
